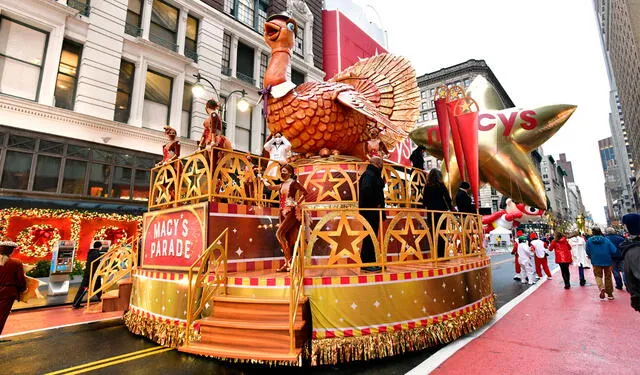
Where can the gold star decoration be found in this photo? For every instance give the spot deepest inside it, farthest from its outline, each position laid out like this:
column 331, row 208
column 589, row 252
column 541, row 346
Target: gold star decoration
column 164, row 184
column 195, row 173
column 322, row 178
column 506, row 137
column 344, row 241
column 409, row 236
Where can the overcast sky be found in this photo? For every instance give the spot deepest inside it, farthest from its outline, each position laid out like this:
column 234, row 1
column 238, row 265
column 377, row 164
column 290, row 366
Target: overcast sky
column 542, row 51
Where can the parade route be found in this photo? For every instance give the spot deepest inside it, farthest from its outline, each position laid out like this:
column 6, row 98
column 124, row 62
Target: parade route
column 121, row 352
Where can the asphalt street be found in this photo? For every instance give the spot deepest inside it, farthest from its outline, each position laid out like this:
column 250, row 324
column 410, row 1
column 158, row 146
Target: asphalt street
column 99, row 343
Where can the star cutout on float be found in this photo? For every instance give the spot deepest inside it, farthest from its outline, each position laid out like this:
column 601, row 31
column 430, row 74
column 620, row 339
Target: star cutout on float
column 409, row 237
column 506, row 137
column 376, row 304
column 354, row 306
column 329, row 178
column 342, row 237
column 194, row 176
column 163, row 185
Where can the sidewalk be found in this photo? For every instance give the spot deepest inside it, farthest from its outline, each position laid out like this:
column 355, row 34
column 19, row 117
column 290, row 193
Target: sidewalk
column 25, row 321
column 556, row 331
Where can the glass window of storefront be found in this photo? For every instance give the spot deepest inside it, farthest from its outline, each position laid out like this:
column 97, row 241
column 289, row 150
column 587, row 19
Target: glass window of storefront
column 187, row 104
column 44, row 163
column 164, row 25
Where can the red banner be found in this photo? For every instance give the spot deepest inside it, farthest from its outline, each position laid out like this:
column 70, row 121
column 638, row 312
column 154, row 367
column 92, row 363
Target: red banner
column 174, row 238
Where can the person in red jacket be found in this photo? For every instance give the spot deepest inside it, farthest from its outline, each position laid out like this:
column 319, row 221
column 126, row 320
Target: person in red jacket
column 563, row 256
column 12, row 280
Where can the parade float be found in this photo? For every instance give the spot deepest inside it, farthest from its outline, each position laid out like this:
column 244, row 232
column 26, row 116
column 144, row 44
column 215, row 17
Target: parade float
column 207, row 282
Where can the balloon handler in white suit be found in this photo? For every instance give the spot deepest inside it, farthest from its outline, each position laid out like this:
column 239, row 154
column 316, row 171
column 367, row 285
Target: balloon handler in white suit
column 524, row 257
column 278, row 148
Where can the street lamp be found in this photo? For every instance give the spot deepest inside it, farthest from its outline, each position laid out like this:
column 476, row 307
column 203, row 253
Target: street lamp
column 199, row 91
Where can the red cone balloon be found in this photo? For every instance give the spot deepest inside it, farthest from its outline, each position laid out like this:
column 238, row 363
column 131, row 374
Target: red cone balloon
column 467, row 124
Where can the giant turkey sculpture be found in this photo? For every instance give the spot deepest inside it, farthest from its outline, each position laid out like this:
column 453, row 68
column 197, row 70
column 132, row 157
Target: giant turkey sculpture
column 378, row 92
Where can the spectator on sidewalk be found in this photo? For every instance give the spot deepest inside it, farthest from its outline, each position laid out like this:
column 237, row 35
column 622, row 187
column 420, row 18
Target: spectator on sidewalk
column 617, row 265
column 524, row 257
column 12, row 280
column 631, row 254
column 540, row 250
column 579, row 255
column 90, row 266
column 600, row 250
column 563, row 256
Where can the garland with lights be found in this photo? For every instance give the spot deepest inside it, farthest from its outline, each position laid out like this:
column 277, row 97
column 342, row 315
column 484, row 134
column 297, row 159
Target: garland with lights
column 74, row 216
column 114, row 234
column 37, row 240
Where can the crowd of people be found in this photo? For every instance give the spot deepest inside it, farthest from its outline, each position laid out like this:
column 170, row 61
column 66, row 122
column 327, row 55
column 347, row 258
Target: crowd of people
column 613, row 259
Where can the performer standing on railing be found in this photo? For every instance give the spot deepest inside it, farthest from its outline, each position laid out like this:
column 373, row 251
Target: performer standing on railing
column 278, row 148
column 436, row 197
column 90, row 267
column 375, row 147
column 290, row 212
column 212, row 134
column 171, row 149
column 371, row 195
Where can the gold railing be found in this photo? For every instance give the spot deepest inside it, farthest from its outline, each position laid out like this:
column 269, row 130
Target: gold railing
column 116, row 263
column 201, row 285
column 296, row 287
column 232, row 177
column 407, row 236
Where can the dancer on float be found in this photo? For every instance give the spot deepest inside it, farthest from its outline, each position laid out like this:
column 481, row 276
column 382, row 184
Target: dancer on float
column 212, row 134
column 290, row 213
column 171, row 149
column 278, row 148
column 375, row 147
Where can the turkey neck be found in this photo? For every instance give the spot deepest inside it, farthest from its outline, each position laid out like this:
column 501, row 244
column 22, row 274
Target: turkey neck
column 277, row 69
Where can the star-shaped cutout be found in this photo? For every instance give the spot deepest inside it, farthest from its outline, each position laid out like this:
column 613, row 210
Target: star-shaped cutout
column 164, row 185
column 506, row 137
column 344, row 241
column 376, row 304
column 193, row 176
column 239, row 251
column 322, row 179
column 409, row 236
column 354, row 306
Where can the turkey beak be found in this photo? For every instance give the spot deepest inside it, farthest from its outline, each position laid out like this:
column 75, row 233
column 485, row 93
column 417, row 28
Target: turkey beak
column 272, row 31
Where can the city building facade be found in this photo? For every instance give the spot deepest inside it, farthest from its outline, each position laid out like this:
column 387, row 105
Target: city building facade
column 619, row 24
column 619, row 201
column 86, row 87
column 553, row 178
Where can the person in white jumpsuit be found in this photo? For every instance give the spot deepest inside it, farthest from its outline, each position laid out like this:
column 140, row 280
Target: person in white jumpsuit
column 524, row 257
column 278, row 148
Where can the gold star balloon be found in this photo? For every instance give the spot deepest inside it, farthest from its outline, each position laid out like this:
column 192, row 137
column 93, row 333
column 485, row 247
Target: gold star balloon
column 506, row 137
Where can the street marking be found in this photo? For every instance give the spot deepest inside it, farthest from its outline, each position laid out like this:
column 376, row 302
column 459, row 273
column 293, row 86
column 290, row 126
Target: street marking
column 502, row 261
column 85, row 366
column 60, row 326
column 97, row 367
column 439, row 357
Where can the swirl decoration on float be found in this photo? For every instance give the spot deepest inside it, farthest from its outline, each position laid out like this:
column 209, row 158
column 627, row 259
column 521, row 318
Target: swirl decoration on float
column 37, row 240
column 111, row 233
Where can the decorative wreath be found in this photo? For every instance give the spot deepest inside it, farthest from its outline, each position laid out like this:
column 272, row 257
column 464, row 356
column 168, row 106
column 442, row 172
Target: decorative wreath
column 37, row 240
column 114, row 234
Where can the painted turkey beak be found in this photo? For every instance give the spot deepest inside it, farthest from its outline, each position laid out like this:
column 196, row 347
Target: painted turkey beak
column 272, row 31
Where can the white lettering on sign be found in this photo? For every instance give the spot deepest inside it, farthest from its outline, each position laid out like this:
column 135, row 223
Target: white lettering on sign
column 169, row 238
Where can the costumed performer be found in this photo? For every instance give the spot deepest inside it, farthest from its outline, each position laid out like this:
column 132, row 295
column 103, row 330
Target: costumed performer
column 12, row 280
column 292, row 193
column 212, row 134
column 278, row 148
column 579, row 255
column 375, row 147
column 539, row 248
column 524, row 257
column 171, row 149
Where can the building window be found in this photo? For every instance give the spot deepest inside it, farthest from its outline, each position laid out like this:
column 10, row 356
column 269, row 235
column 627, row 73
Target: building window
column 425, row 116
column 423, row 106
column 243, row 130
column 494, row 205
column 434, row 115
column 467, row 82
column 264, row 62
column 226, row 54
column 125, row 87
column 157, row 100
column 423, row 94
column 134, row 18
column 244, row 64
column 22, row 51
column 17, row 162
column 432, row 92
column 298, row 46
column 262, row 14
column 164, row 25
column 191, row 39
column 187, row 104
column 297, row 77
column 245, row 12
column 67, row 80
